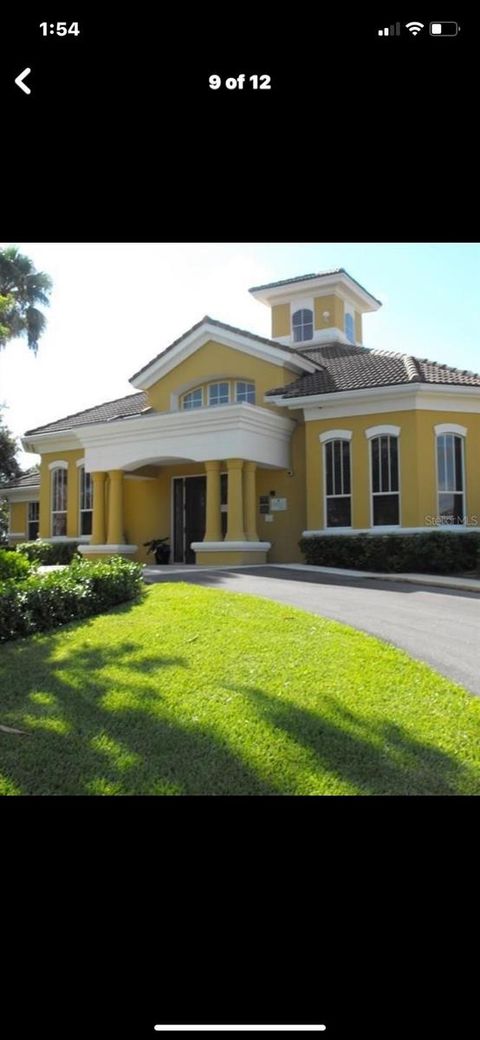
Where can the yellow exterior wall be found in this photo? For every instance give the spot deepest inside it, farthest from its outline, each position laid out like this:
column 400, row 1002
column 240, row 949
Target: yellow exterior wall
column 72, row 491
column 329, row 303
column 358, row 327
column 216, row 361
column 281, row 320
column 18, row 518
column 417, row 446
column 287, row 526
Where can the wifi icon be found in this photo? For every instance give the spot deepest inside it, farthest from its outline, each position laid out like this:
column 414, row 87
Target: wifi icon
column 414, row 27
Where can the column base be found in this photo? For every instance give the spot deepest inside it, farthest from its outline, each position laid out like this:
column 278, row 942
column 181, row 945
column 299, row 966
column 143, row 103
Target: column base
column 219, row 553
column 103, row 552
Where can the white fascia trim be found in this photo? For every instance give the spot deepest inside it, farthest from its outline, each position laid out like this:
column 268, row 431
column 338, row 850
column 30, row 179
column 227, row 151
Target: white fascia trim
column 319, row 287
column 422, row 395
column 382, row 431
column 450, row 428
column 59, row 464
column 21, row 495
column 447, row 528
column 207, row 333
column 230, row 546
column 336, row 435
column 55, row 441
column 124, row 550
column 80, row 462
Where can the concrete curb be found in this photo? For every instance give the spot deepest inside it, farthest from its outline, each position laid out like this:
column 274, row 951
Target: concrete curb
column 468, row 584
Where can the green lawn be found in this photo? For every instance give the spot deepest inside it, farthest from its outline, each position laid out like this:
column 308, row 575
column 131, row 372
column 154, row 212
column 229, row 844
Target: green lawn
column 198, row 691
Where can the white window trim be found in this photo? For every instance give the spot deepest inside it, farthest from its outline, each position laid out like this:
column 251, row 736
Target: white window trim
column 60, row 464
column 302, row 305
column 382, row 431
column 350, row 496
column 218, row 382
column 247, row 382
column 385, row 431
column 336, row 435
column 460, row 431
column 453, row 428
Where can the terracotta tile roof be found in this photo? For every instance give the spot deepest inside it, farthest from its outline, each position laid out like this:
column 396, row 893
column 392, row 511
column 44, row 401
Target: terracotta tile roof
column 220, row 325
column 309, row 277
column 27, row 480
column 345, row 367
column 133, row 404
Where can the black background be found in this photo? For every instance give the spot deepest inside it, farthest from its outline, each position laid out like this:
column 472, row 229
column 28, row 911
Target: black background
column 356, row 912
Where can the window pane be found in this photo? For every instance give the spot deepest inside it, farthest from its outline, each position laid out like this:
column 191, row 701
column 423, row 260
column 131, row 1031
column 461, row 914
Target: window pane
column 458, row 464
column 86, row 522
column 451, row 508
column 385, row 483
column 297, row 334
column 223, row 489
column 308, row 331
column 441, row 463
column 338, row 512
column 346, row 467
column 337, row 468
column 375, row 465
column 449, row 462
column 329, row 466
column 349, row 328
column 193, row 399
column 33, row 510
column 59, row 524
column 385, row 510
column 393, row 464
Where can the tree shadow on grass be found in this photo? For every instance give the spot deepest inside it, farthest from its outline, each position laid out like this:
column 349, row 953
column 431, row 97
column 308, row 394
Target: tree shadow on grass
column 378, row 758
column 86, row 732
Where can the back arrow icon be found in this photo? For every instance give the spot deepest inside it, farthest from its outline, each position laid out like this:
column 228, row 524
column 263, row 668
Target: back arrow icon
column 19, row 81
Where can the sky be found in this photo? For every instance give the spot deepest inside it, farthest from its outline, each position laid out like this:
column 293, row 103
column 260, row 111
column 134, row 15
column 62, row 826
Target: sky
column 115, row 306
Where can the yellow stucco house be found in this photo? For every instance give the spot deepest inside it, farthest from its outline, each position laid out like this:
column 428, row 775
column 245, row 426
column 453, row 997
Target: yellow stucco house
column 235, row 446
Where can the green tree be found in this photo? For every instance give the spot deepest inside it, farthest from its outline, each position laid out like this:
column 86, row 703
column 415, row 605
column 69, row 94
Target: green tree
column 9, row 469
column 21, row 288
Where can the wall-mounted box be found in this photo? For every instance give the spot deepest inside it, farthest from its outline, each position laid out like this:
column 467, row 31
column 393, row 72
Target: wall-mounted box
column 277, row 505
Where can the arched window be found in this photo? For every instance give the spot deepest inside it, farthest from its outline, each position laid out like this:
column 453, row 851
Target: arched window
column 59, row 501
column 350, row 328
column 302, row 324
column 218, row 393
column 451, row 478
column 194, row 399
column 338, row 496
column 86, row 501
column 385, row 481
column 244, row 392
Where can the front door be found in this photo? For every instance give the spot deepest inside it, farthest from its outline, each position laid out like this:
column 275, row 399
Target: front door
column 189, row 507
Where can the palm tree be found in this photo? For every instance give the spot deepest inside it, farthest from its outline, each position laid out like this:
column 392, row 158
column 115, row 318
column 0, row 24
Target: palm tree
column 21, row 287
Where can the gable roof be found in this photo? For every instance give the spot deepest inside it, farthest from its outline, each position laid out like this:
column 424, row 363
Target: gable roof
column 132, row 404
column 348, row 367
column 206, row 320
column 310, row 277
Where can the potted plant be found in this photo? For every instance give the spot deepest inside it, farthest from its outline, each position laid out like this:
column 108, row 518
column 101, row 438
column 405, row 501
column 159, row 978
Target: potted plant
column 159, row 548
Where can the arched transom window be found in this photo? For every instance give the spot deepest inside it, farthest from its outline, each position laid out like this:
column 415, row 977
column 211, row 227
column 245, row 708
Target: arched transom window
column 223, row 392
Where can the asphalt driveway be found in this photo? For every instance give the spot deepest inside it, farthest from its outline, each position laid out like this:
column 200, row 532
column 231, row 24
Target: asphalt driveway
column 438, row 626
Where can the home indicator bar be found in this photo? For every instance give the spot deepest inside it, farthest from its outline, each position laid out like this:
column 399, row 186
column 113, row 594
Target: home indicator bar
column 240, row 1029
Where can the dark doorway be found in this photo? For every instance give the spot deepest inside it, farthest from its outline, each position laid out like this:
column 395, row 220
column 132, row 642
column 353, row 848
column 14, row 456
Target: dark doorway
column 189, row 504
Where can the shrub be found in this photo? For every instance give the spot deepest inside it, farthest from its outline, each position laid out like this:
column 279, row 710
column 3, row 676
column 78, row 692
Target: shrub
column 13, row 567
column 434, row 552
column 48, row 553
column 46, row 601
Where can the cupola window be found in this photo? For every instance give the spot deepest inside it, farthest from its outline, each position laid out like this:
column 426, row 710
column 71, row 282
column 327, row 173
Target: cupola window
column 349, row 328
column 302, row 324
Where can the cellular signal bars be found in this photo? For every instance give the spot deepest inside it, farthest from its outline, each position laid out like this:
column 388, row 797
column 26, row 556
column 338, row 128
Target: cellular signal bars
column 394, row 30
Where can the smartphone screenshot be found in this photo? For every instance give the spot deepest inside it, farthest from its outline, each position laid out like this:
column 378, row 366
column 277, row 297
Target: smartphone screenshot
column 239, row 520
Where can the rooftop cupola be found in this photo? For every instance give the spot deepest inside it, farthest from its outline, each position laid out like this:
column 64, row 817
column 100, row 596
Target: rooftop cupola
column 317, row 308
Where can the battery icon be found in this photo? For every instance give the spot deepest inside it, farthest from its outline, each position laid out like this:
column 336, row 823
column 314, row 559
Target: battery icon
column 444, row 28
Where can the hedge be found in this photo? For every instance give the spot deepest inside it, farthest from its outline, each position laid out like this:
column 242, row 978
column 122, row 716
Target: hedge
column 46, row 601
column 434, row 552
column 13, row 566
column 48, row 553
